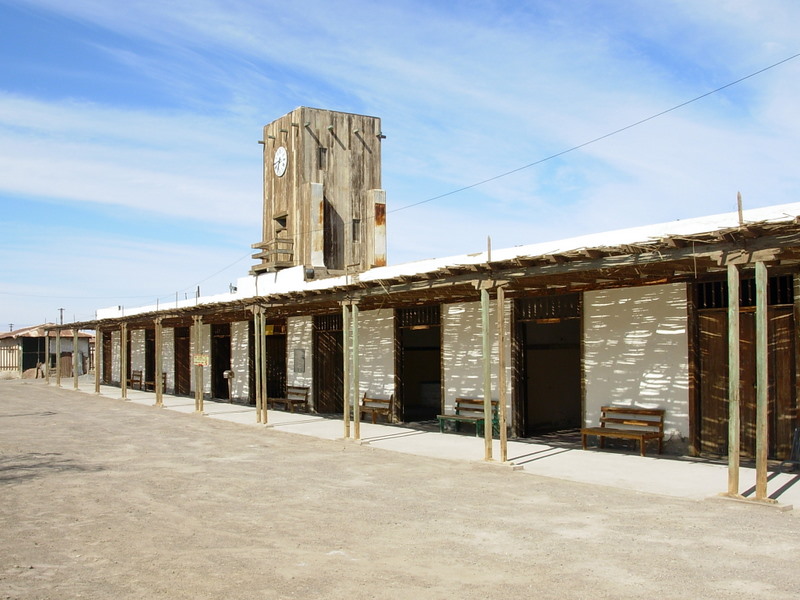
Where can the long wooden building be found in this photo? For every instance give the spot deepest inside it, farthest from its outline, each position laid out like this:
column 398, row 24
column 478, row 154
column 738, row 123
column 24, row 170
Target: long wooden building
column 650, row 317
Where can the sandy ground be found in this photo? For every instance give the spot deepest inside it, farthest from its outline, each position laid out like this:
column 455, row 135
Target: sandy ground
column 106, row 499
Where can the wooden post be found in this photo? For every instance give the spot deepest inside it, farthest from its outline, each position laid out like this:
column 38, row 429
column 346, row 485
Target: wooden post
column 264, row 371
column 198, row 368
column 58, row 357
column 762, row 381
column 158, row 378
column 75, row 358
column 257, row 358
column 47, row 357
column 123, row 360
column 501, row 371
column 734, row 424
column 346, row 369
column 356, row 377
column 98, row 358
column 487, row 375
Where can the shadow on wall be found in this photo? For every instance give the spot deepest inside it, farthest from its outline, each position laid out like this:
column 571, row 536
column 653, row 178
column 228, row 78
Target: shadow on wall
column 636, row 352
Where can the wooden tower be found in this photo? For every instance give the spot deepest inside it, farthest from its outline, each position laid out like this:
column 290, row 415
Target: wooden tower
column 324, row 208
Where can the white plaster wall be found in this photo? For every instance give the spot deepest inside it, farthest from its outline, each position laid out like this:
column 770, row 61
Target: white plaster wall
column 115, row 356
column 300, row 336
column 636, row 352
column 240, row 363
column 205, row 348
column 376, row 354
column 462, row 352
column 168, row 356
column 137, row 350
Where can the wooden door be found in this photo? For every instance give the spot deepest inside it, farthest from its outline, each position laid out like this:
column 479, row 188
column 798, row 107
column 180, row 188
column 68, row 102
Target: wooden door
column 713, row 382
column 107, row 357
column 275, row 349
column 328, row 372
column 183, row 363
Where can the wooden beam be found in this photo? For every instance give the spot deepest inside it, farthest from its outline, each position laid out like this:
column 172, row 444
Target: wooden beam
column 123, row 360
column 356, row 375
column 264, row 370
column 762, row 382
column 257, row 359
column 47, row 357
column 346, row 369
column 74, row 358
column 198, row 368
column 734, row 423
column 158, row 377
column 58, row 357
column 487, row 375
column 501, row 371
column 98, row 359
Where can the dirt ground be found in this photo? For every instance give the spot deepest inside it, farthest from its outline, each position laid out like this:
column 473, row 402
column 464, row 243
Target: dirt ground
column 106, row 499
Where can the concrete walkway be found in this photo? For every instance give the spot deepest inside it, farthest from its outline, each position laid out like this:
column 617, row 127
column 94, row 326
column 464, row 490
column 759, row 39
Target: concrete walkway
column 672, row 476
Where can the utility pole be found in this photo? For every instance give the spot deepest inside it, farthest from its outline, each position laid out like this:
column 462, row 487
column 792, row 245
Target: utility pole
column 61, row 310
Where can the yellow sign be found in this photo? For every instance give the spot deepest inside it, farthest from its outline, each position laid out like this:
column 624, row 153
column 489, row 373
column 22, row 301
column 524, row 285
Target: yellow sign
column 201, row 360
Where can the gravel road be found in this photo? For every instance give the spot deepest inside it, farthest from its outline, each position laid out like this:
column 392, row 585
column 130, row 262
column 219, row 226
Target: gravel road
column 106, row 499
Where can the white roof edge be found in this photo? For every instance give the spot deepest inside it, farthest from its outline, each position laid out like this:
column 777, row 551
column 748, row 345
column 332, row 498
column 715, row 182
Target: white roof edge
column 631, row 235
column 290, row 280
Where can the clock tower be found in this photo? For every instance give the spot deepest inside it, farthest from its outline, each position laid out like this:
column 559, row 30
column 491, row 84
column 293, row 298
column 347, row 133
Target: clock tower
column 324, row 208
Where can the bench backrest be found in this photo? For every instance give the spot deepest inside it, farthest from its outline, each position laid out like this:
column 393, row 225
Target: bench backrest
column 382, row 403
column 296, row 392
column 472, row 407
column 627, row 417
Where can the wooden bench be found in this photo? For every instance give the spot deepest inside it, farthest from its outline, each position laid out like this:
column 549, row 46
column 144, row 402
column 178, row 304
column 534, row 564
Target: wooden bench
column 151, row 385
column 136, row 380
column 794, row 453
column 295, row 396
column 631, row 423
column 470, row 410
column 377, row 406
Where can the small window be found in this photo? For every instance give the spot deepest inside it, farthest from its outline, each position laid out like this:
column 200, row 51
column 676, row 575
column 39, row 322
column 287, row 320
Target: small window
column 323, row 158
column 356, row 230
column 280, row 222
column 714, row 294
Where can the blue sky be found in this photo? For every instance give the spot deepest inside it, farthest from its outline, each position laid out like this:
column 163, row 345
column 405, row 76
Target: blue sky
column 130, row 169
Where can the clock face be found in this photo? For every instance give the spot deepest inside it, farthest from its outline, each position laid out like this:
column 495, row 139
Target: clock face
column 280, row 161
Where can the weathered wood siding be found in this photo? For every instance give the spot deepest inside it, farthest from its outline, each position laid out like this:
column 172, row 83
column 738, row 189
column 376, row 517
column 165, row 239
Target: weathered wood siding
column 340, row 151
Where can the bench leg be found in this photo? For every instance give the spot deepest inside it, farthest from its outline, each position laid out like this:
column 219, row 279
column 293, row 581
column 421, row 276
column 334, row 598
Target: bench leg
column 583, row 440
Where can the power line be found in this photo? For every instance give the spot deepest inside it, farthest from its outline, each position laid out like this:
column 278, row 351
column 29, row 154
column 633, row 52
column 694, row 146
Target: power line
column 597, row 139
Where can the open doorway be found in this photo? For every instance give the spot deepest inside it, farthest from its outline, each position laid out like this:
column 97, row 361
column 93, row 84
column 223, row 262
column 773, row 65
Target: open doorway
column 419, row 363
column 150, row 355
column 220, row 359
column 549, row 342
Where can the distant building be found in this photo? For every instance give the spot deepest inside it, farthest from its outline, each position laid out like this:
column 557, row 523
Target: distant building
column 25, row 349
